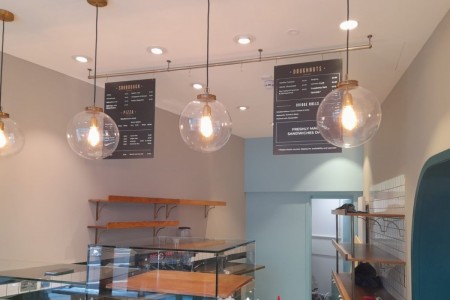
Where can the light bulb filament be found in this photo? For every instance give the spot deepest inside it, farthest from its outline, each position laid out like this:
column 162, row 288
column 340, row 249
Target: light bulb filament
column 348, row 118
column 94, row 134
column 206, row 127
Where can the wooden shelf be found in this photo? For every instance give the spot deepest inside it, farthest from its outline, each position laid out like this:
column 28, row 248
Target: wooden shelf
column 167, row 203
column 343, row 212
column 156, row 225
column 366, row 253
column 344, row 285
column 148, row 200
column 183, row 283
column 160, row 203
column 128, row 225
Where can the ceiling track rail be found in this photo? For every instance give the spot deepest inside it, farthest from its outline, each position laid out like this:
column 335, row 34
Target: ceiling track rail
column 236, row 62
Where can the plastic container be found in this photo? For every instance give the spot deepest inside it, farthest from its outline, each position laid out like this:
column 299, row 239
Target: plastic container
column 184, row 231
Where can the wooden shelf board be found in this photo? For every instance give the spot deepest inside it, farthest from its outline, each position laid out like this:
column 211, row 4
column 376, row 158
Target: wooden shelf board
column 183, row 283
column 143, row 224
column 343, row 212
column 367, row 253
column 147, row 200
column 344, row 285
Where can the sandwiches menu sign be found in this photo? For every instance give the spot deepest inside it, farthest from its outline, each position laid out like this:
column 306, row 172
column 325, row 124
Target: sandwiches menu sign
column 298, row 91
column 131, row 104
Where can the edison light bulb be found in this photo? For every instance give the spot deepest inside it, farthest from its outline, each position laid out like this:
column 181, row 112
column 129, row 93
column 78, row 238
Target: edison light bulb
column 348, row 119
column 3, row 140
column 94, row 134
column 206, row 126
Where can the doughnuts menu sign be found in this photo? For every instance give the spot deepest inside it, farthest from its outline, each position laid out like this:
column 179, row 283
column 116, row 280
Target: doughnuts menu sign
column 298, row 91
column 131, row 104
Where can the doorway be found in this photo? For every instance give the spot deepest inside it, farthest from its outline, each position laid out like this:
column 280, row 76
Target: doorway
column 323, row 254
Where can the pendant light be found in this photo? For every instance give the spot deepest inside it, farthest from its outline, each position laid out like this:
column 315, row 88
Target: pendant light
column 92, row 134
column 350, row 115
column 205, row 124
column 11, row 138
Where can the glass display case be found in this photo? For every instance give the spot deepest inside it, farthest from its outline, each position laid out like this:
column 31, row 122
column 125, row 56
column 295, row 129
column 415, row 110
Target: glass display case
column 165, row 268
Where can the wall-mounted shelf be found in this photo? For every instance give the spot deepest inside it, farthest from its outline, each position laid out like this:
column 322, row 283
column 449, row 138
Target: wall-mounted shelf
column 354, row 253
column 159, row 203
column 343, row 212
column 126, row 225
column 366, row 253
column 168, row 203
column 156, row 225
column 344, row 284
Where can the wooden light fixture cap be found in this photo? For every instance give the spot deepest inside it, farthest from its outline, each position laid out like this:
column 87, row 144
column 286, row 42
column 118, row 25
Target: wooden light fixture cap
column 6, row 15
column 98, row 3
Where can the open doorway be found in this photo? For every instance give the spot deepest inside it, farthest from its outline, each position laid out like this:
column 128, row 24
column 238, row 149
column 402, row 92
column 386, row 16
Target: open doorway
column 323, row 254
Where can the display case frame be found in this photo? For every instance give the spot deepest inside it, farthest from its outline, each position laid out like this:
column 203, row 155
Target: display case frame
column 163, row 268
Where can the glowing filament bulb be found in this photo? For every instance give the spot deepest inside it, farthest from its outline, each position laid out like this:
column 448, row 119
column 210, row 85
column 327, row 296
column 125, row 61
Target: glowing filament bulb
column 94, row 134
column 206, row 127
column 348, row 118
column 3, row 139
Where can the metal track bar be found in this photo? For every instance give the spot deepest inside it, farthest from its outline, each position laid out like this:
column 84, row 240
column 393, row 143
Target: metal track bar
column 236, row 62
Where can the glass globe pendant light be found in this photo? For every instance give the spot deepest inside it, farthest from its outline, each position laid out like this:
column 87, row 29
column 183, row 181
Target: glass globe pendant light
column 11, row 138
column 350, row 115
column 92, row 134
column 205, row 124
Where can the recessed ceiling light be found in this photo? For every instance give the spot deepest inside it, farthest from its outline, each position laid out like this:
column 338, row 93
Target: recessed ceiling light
column 197, row 86
column 244, row 39
column 293, row 32
column 156, row 50
column 349, row 25
column 81, row 58
column 243, row 108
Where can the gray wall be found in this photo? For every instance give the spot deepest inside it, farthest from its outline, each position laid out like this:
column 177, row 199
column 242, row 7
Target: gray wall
column 415, row 125
column 44, row 190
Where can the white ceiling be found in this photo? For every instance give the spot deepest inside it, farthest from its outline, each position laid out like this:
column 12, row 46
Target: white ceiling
column 49, row 33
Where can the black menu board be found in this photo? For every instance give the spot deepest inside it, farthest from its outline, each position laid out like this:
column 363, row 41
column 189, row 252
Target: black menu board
column 131, row 104
column 298, row 91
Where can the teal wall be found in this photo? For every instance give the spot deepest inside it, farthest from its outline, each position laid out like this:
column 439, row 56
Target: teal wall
column 265, row 172
column 278, row 195
column 430, row 263
column 276, row 221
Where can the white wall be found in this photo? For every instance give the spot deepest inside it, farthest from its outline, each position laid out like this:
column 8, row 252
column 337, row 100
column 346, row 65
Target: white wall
column 416, row 123
column 44, row 190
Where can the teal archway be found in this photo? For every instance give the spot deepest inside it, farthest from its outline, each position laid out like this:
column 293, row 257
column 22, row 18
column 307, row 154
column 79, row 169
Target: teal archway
column 430, row 253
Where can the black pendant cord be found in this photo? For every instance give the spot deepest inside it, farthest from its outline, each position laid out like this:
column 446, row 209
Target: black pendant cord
column 207, row 50
column 348, row 37
column 95, row 57
column 1, row 64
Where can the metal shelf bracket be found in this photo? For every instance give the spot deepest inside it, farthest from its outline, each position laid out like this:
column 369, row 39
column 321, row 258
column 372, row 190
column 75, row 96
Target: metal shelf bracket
column 207, row 209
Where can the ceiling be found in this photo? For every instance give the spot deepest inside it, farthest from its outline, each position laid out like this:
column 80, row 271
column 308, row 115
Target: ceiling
column 49, row 33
